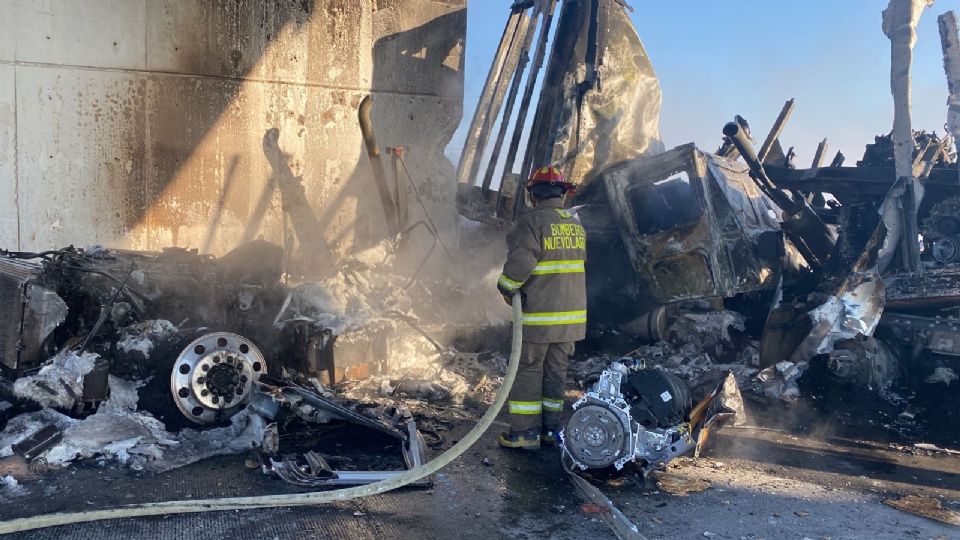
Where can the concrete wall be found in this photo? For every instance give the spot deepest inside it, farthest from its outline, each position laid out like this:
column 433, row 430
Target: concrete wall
column 139, row 123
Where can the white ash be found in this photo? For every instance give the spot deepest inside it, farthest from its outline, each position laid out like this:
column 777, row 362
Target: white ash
column 119, row 434
column 116, row 432
column 142, row 337
column 941, row 375
column 350, row 300
column 10, row 485
column 59, row 382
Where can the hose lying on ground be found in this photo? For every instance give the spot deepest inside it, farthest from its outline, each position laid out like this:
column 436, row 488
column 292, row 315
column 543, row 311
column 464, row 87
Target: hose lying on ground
column 296, row 499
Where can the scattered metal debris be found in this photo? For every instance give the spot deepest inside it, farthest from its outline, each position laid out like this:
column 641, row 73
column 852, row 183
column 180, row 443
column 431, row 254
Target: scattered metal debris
column 121, row 383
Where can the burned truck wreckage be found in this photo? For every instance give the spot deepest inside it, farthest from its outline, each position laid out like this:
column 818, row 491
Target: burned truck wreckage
column 718, row 283
column 850, row 268
column 817, row 259
column 89, row 333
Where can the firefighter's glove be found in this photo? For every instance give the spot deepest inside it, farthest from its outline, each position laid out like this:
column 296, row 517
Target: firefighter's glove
column 508, row 295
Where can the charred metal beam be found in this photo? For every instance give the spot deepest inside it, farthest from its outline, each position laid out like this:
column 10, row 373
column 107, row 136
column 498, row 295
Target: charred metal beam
column 512, row 96
column 900, row 21
column 523, row 111
column 502, row 71
column 777, row 128
column 820, row 153
column 838, row 159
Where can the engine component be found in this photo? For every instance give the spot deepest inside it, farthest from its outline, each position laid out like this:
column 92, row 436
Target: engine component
column 945, row 250
column 658, row 398
column 941, row 230
column 213, row 376
column 602, row 430
column 29, row 312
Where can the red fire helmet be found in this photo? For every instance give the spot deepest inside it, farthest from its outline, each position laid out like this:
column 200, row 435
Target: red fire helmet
column 549, row 175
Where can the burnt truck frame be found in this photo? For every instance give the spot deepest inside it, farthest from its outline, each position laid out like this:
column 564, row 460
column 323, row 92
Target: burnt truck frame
column 687, row 225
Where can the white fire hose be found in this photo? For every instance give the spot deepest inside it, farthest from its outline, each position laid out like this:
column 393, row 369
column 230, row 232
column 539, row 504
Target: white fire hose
column 296, row 499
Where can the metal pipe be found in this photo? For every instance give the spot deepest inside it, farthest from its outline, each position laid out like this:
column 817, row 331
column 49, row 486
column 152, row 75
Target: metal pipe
column 739, row 139
column 373, row 152
column 800, row 223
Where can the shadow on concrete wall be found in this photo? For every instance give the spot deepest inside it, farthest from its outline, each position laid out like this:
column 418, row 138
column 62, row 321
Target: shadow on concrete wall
column 411, row 80
column 185, row 109
column 418, row 101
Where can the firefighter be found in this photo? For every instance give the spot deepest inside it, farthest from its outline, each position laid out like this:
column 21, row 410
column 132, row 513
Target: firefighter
column 545, row 263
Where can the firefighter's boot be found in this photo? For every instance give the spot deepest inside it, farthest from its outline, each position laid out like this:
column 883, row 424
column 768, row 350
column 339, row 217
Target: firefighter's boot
column 550, row 437
column 526, row 440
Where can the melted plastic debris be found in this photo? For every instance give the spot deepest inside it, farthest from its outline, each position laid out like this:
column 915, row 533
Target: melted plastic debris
column 349, row 300
column 59, row 383
column 143, row 337
column 708, row 331
column 780, row 381
column 942, row 375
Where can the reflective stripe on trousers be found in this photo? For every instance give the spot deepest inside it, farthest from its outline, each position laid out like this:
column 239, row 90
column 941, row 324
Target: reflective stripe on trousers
column 525, row 407
column 552, row 405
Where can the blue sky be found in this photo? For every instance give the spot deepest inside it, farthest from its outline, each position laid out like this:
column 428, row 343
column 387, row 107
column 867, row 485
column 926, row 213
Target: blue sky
column 717, row 59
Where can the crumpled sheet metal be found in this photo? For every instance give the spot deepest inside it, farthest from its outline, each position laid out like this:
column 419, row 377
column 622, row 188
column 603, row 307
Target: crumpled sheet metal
column 756, row 212
column 310, row 469
column 779, row 381
column 854, row 311
column 618, row 117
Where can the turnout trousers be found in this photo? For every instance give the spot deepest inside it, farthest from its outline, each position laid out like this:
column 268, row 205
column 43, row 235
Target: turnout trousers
column 536, row 399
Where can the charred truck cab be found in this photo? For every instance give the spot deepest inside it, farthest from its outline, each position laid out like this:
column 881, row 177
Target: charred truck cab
column 692, row 226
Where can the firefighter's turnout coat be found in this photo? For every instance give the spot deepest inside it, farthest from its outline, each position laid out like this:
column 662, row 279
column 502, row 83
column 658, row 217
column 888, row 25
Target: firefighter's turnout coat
column 547, row 250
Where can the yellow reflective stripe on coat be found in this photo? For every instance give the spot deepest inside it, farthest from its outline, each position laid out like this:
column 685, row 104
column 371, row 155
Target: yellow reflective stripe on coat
column 565, row 214
column 524, row 407
column 508, row 283
column 553, row 405
column 558, row 267
column 554, row 318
